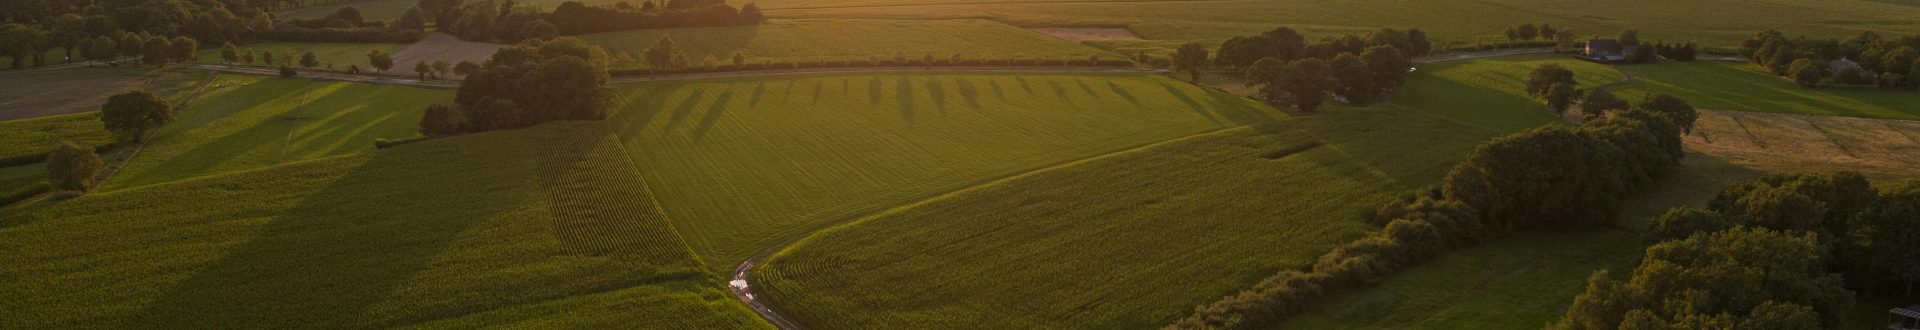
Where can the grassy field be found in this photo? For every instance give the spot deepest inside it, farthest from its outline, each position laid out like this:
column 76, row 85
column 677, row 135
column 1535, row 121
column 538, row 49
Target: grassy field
column 1743, row 87
column 54, row 55
column 546, row 226
column 743, row 164
column 63, row 91
column 1137, row 238
column 388, row 10
column 789, row 40
column 36, row 136
column 244, row 122
column 340, row 55
column 1715, row 23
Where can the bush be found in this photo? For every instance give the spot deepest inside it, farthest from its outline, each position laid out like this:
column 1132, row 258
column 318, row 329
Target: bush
column 388, row 143
column 287, row 72
column 72, row 167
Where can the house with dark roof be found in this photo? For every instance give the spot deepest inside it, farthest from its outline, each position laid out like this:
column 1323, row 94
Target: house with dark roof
column 1842, row 65
column 1608, row 50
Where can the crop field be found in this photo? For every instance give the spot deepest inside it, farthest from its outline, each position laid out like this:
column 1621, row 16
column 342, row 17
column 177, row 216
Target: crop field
column 789, row 40
column 244, row 122
column 546, row 226
column 742, row 164
column 338, row 55
column 36, row 136
column 1137, row 238
column 1809, row 143
column 1743, row 87
column 441, row 47
column 1714, row 23
column 388, row 10
column 52, row 92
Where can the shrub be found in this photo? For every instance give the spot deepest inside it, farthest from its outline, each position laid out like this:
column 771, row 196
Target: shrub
column 287, row 72
column 72, row 167
column 131, row 115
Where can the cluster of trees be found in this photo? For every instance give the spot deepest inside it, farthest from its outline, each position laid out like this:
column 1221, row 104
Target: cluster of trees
column 130, row 116
column 1543, row 31
column 1683, row 52
column 71, row 167
column 573, row 17
column 1779, row 252
column 533, row 82
column 73, row 25
column 1554, row 177
column 344, row 18
column 1889, row 63
column 1288, row 69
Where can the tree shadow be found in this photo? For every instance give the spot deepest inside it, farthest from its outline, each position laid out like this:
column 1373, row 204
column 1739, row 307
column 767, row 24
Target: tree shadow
column 644, row 107
column 221, row 151
column 760, row 89
column 816, row 93
column 1123, row 93
column 904, row 94
column 873, row 90
column 995, row 84
column 680, row 112
column 969, row 92
column 1023, row 84
column 1191, row 104
column 939, row 95
column 1084, row 87
column 713, row 116
column 1061, row 92
column 334, row 255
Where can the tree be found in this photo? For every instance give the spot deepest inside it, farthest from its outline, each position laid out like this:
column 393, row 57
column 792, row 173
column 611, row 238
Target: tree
column 1528, row 31
column 71, row 167
column 660, row 56
column 379, row 59
column 1545, row 76
column 441, row 67
column 23, row 42
column 246, row 56
column 1239, row 52
column 538, row 29
column 230, row 53
column 69, row 31
column 266, row 57
column 422, row 68
column 1629, row 37
column 1563, row 40
column 1307, row 83
column 288, row 71
column 1560, row 97
column 1598, row 101
column 412, row 19
column 465, row 68
column 131, row 115
column 349, row 15
column 1388, row 64
column 1191, row 58
column 1805, row 73
column 442, row 120
column 1547, row 31
column 185, row 49
column 129, row 44
column 1266, row 74
column 1676, row 109
column 157, row 51
column 750, row 14
column 1741, row 278
column 1353, row 79
column 102, row 48
column 308, row 60
column 1418, row 40
column 1896, row 240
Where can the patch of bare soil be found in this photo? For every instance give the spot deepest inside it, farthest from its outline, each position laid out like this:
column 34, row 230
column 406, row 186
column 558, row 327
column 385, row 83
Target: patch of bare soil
column 1085, row 34
column 1806, row 143
column 52, row 92
column 440, row 46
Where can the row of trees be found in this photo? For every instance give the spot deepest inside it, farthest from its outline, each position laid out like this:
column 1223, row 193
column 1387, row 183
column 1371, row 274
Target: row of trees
column 1779, row 252
column 507, row 21
column 130, row 116
column 1544, row 31
column 1285, row 68
column 533, row 82
column 573, row 17
column 1554, row 177
column 74, row 24
column 1890, row 63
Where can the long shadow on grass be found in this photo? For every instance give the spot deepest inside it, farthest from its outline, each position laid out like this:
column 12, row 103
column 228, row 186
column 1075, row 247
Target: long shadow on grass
column 1191, row 104
column 341, row 251
column 203, row 158
column 637, row 109
column 969, row 92
column 939, row 95
column 681, row 112
column 1123, row 92
column 904, row 94
column 713, row 115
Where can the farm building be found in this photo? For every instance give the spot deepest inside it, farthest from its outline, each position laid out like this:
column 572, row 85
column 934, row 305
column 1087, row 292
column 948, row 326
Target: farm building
column 1607, row 50
column 1842, row 65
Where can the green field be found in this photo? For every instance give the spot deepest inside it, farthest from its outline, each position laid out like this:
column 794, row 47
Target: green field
column 389, row 10
column 546, row 226
column 789, row 40
column 1136, row 239
column 55, row 55
column 340, row 55
column 36, row 136
column 1715, row 23
column 1743, row 87
column 744, row 163
column 243, row 122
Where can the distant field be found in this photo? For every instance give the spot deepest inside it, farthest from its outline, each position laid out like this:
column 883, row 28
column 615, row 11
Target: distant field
column 1809, row 143
column 542, row 227
column 1136, row 239
column 789, row 40
column 56, row 55
column 1716, row 23
column 38, row 135
column 1742, row 87
column 52, row 92
column 340, row 55
column 251, row 121
column 388, row 10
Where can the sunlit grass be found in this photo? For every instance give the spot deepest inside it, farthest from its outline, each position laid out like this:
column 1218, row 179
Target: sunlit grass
column 1743, row 87
column 812, row 40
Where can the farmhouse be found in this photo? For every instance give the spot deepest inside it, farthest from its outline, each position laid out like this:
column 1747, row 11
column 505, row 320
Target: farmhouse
column 1607, row 50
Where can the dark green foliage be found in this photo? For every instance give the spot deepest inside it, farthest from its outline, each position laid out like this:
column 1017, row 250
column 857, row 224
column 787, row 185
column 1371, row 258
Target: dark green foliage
column 1191, row 58
column 1240, row 52
column 533, row 82
column 1560, row 97
column 131, row 115
column 1895, row 237
column 1307, row 82
column 308, row 60
column 1674, row 108
column 286, row 71
column 377, row 58
column 1741, row 278
column 1353, row 79
column 1598, row 101
column 1805, row 73
column 1542, row 78
column 71, row 167
column 1682, row 222
column 1266, row 74
column 1389, row 65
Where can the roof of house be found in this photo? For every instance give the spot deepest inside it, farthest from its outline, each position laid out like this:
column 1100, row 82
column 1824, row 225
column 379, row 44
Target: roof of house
column 1604, row 45
column 1842, row 64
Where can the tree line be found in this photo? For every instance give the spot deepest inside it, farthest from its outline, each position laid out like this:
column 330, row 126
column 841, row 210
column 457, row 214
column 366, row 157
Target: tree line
column 510, row 22
column 1554, row 177
column 529, row 83
column 1888, row 63
column 105, row 29
column 1779, row 252
column 1287, row 69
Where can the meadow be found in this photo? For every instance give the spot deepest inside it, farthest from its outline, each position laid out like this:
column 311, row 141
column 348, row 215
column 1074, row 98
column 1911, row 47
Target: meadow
column 242, row 122
column 62, row 91
column 790, row 40
column 1744, row 87
column 1135, row 239
column 546, row 226
column 745, row 163
column 26, row 138
column 1714, row 23
column 332, row 56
